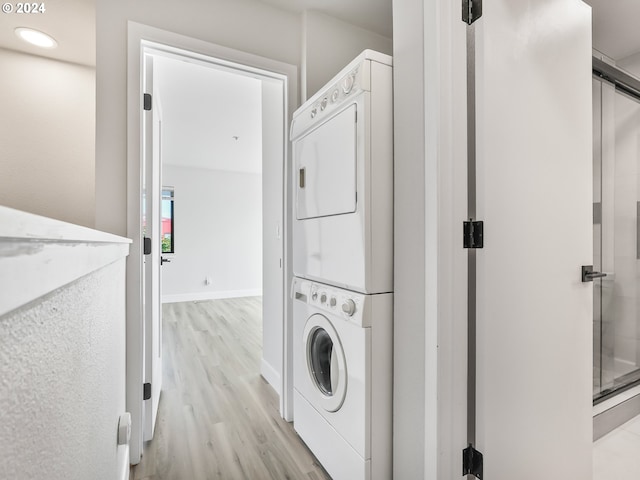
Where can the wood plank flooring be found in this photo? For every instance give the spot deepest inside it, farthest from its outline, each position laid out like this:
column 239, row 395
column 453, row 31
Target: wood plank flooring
column 218, row 418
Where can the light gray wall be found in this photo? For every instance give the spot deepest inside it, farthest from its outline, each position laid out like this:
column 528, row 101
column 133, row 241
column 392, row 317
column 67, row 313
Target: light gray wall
column 250, row 26
column 631, row 64
column 218, row 234
column 329, row 45
column 47, row 137
column 245, row 25
column 62, row 365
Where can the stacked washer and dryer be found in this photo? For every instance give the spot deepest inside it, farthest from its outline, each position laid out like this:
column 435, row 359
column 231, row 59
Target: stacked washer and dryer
column 343, row 265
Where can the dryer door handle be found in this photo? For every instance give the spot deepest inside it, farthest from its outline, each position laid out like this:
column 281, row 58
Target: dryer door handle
column 302, row 175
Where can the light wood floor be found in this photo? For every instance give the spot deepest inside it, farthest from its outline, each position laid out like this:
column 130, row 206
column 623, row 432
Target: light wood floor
column 218, row 418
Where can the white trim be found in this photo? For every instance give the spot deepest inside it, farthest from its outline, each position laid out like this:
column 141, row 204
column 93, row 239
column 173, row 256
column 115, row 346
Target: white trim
column 271, row 376
column 138, row 35
column 198, row 296
column 43, row 255
column 123, row 462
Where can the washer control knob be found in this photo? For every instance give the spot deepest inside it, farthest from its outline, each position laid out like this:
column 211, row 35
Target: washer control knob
column 349, row 307
column 314, row 296
column 323, row 104
column 314, row 112
column 334, row 95
column 333, row 302
column 323, row 298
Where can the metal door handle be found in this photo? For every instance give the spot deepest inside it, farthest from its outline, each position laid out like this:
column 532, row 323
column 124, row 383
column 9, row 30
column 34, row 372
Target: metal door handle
column 588, row 274
column 302, row 177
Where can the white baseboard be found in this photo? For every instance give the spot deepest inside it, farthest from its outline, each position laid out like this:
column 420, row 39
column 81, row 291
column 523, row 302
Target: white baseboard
column 270, row 375
column 193, row 297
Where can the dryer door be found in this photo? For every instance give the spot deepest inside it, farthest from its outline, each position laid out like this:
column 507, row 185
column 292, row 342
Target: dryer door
column 325, row 161
column 325, row 362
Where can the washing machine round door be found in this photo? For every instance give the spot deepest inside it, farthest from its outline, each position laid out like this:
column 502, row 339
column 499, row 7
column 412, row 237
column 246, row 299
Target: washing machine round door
column 325, row 362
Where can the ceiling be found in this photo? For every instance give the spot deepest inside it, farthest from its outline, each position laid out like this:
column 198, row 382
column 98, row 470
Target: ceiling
column 374, row 15
column 211, row 119
column 71, row 22
column 615, row 27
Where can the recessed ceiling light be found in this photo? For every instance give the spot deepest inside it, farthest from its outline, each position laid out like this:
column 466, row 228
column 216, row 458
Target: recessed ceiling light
column 35, row 37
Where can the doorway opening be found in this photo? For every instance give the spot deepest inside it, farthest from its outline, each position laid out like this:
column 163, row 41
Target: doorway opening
column 220, row 150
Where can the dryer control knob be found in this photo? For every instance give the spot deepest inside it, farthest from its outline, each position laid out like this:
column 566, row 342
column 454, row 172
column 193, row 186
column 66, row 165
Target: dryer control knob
column 348, row 83
column 333, row 301
column 323, row 298
column 314, row 296
column 349, row 307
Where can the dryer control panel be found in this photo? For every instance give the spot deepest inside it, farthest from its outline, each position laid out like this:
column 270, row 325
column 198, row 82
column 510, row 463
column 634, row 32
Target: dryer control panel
column 352, row 80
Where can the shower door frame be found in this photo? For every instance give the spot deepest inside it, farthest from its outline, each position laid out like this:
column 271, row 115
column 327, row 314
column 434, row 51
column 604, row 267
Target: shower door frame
column 613, row 81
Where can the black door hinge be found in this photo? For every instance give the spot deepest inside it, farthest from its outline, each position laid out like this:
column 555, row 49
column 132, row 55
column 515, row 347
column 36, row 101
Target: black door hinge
column 147, row 246
column 147, row 101
column 146, row 391
column 471, row 462
column 473, row 234
column 471, row 11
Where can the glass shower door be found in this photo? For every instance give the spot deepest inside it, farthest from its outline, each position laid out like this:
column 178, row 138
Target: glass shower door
column 616, row 209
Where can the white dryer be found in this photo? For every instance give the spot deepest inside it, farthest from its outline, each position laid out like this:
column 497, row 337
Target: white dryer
column 343, row 168
column 342, row 402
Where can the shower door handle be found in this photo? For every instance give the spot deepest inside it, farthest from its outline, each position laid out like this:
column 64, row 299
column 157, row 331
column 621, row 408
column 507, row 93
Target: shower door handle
column 588, row 274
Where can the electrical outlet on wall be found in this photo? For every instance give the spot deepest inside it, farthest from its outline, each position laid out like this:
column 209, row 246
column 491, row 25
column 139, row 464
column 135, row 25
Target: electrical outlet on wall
column 207, row 280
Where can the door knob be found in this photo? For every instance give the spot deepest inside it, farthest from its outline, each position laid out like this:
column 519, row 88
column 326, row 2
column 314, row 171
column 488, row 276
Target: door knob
column 588, row 274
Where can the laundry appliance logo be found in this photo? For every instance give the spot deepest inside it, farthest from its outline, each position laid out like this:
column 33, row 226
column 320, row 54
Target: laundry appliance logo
column 24, row 8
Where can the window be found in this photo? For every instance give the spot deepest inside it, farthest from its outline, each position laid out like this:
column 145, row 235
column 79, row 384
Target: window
column 167, row 234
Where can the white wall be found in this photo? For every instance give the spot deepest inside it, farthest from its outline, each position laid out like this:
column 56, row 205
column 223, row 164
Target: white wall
column 218, row 234
column 63, row 369
column 429, row 318
column 47, row 137
column 329, row 45
column 245, row 25
column 62, row 354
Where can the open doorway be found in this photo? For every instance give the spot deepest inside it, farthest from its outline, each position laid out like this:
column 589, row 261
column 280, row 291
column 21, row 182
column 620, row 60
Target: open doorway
column 221, row 170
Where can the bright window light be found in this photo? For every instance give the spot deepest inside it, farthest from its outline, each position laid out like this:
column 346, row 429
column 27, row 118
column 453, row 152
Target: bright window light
column 35, row 37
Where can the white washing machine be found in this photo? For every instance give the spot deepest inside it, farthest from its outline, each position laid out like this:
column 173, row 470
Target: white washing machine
column 343, row 159
column 342, row 403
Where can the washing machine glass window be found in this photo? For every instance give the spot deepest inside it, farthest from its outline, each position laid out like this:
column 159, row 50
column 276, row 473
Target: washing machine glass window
column 325, row 362
column 322, row 357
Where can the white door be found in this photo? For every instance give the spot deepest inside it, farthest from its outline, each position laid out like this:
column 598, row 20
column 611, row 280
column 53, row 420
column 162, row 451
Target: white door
column 152, row 280
column 534, row 195
column 325, row 162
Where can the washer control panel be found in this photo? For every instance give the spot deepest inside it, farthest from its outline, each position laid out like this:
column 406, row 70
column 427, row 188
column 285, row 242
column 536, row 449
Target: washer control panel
column 336, row 301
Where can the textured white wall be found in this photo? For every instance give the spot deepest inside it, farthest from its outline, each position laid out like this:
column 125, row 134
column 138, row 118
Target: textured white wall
column 329, row 45
column 218, row 233
column 62, row 364
column 47, row 137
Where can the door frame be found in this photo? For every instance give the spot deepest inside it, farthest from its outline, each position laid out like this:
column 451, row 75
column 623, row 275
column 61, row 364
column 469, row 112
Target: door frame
column 140, row 35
